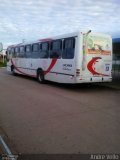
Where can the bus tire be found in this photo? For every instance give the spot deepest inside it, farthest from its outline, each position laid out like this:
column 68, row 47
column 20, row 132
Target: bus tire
column 40, row 76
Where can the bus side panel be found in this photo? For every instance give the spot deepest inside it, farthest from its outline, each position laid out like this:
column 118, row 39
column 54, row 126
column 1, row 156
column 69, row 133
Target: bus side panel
column 62, row 72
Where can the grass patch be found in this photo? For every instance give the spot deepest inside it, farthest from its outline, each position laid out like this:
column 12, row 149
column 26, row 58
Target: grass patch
column 3, row 64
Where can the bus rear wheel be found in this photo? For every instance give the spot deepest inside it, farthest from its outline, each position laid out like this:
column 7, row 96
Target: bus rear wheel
column 40, row 76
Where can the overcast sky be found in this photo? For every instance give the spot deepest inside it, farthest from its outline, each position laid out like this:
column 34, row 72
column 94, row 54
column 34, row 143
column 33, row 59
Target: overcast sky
column 35, row 19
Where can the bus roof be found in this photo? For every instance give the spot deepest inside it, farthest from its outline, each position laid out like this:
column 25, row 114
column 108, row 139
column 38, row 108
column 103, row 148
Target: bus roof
column 45, row 39
column 68, row 35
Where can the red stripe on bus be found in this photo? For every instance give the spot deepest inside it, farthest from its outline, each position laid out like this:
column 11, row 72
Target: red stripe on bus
column 21, row 71
column 90, row 67
column 45, row 40
column 53, row 62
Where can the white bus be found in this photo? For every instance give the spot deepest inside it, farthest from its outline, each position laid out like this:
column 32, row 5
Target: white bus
column 71, row 58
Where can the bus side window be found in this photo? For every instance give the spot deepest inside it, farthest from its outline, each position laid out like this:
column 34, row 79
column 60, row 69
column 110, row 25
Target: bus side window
column 44, row 50
column 68, row 48
column 56, row 49
column 22, row 52
column 35, row 51
column 28, row 51
column 17, row 51
column 13, row 52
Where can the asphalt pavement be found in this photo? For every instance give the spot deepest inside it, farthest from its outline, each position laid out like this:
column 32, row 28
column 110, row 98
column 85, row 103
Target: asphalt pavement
column 56, row 118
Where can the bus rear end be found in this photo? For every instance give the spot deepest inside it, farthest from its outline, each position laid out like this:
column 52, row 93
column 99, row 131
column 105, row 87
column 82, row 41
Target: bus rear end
column 97, row 58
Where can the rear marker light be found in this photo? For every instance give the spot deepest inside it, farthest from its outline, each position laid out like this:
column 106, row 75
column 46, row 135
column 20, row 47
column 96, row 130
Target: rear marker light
column 77, row 72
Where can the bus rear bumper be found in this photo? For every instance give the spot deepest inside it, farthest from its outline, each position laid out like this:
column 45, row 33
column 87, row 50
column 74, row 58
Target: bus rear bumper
column 93, row 79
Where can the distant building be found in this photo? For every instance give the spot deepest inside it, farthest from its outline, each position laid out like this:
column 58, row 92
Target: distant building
column 116, row 58
column 116, row 48
column 3, row 55
column 116, row 40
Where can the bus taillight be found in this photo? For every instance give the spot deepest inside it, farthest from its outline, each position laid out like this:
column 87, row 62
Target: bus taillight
column 77, row 72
